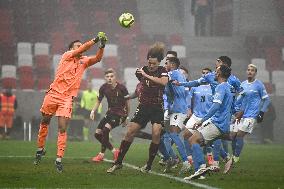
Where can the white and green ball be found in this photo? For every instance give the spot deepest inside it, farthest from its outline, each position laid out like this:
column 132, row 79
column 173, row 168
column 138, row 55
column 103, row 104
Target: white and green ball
column 126, row 20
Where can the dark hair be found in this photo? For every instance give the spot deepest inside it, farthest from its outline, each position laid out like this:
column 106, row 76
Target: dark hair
column 184, row 68
column 225, row 71
column 174, row 60
column 70, row 46
column 208, row 69
column 156, row 51
column 173, row 53
column 226, row 60
column 110, row 70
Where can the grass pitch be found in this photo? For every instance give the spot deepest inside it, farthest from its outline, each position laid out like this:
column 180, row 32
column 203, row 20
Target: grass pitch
column 260, row 166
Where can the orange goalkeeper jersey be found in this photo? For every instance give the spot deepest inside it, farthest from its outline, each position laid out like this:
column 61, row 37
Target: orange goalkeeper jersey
column 70, row 72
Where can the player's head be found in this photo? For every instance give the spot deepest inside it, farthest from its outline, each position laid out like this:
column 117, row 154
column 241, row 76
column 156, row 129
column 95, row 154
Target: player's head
column 223, row 60
column 251, row 71
column 155, row 55
column 223, row 72
column 74, row 45
column 184, row 71
column 170, row 54
column 110, row 76
column 173, row 63
column 8, row 91
column 205, row 71
column 90, row 86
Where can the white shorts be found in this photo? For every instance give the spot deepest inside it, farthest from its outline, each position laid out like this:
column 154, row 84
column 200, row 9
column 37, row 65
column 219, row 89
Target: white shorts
column 177, row 119
column 209, row 131
column 193, row 119
column 246, row 125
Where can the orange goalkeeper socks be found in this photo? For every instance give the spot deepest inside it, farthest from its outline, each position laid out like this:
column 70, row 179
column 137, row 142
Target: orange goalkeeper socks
column 42, row 133
column 61, row 144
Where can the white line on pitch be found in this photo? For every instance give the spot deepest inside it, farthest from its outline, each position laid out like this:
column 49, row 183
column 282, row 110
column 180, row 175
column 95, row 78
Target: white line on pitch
column 133, row 167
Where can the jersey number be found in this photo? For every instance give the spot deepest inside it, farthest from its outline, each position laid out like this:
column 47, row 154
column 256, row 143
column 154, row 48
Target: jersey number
column 202, row 99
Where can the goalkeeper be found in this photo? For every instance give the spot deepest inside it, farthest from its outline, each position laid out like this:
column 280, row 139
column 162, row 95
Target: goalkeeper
column 59, row 97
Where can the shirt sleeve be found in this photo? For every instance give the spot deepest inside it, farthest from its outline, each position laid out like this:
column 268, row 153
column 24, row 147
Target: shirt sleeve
column 164, row 72
column 125, row 92
column 101, row 93
column 219, row 94
column 262, row 91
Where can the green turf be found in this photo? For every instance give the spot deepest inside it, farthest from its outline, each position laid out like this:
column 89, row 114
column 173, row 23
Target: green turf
column 261, row 166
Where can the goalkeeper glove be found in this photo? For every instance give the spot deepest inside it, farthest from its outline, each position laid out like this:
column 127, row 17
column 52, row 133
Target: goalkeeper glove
column 259, row 117
column 100, row 35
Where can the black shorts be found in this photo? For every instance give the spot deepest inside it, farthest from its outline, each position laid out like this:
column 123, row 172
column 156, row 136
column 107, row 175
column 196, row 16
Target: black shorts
column 112, row 119
column 86, row 114
column 144, row 114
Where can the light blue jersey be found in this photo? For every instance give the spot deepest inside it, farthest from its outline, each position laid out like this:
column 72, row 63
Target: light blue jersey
column 224, row 97
column 176, row 95
column 255, row 98
column 210, row 78
column 201, row 100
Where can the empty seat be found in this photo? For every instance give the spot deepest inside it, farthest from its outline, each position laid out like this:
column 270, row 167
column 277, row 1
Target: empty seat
column 43, row 83
column 42, row 62
column 25, row 60
column 25, row 70
column 24, row 48
column 26, row 83
column 110, row 62
column 9, row 82
column 8, row 71
column 41, row 49
column 95, row 73
column 259, row 62
column 273, row 58
column 180, row 49
column 110, row 50
column 263, row 76
column 277, row 77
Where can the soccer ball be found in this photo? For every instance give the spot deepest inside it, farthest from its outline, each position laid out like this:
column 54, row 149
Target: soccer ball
column 126, row 20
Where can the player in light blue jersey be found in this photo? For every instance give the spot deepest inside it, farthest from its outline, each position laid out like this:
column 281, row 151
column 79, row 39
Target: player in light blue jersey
column 215, row 123
column 177, row 107
column 235, row 89
column 199, row 102
column 253, row 103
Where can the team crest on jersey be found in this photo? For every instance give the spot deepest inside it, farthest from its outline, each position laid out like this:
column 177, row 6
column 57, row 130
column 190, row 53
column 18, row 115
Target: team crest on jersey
column 81, row 62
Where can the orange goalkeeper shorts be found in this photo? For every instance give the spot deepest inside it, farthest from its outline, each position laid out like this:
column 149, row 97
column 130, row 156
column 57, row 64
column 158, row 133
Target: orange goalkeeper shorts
column 57, row 104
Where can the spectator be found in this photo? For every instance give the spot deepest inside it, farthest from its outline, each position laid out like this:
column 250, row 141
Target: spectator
column 201, row 9
column 8, row 105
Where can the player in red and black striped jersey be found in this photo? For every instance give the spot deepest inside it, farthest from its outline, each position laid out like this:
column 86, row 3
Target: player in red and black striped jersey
column 118, row 108
column 153, row 78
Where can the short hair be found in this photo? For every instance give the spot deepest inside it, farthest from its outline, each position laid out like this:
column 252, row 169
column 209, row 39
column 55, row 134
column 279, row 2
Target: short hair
column 208, row 69
column 226, row 60
column 156, row 51
column 172, row 53
column 110, row 70
column 174, row 60
column 254, row 66
column 184, row 68
column 70, row 46
column 225, row 71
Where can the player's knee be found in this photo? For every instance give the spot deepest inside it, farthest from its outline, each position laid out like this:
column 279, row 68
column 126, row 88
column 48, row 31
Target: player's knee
column 45, row 120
